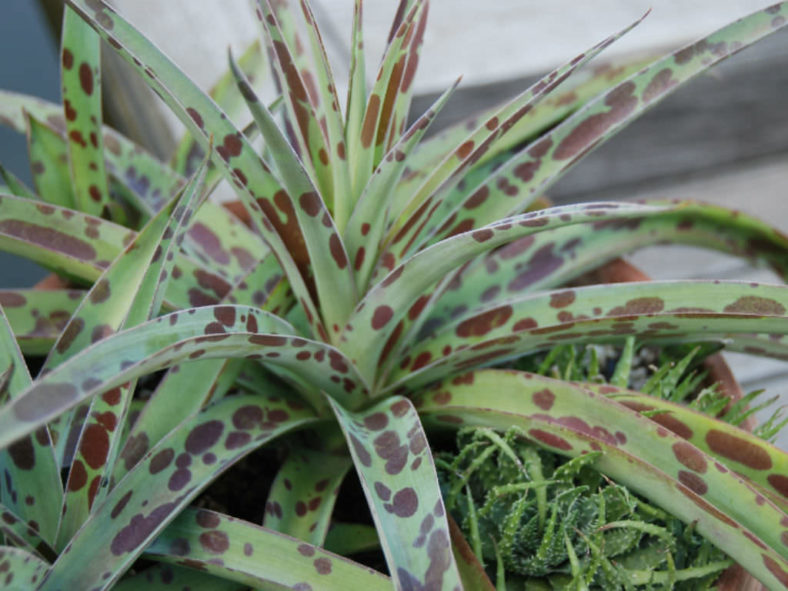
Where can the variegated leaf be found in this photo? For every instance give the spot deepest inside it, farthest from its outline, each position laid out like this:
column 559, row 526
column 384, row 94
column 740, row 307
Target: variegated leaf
column 394, row 462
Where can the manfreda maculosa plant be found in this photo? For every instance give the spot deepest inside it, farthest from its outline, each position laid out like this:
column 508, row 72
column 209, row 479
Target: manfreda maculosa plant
column 382, row 270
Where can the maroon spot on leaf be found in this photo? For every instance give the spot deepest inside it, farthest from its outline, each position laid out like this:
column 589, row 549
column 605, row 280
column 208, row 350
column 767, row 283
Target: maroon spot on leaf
column 337, row 251
column 465, row 149
column 526, row 171
column 120, row 505
column 225, row 315
column 561, row 299
column 482, row 235
column 86, row 78
column 376, row 421
column 638, row 306
column 77, row 477
column 323, row 566
column 310, row 203
column 361, row 452
column 524, row 324
column 9, row 299
column 421, row 360
column 370, row 121
column 100, row 292
column 755, row 305
column 540, row 148
column 306, row 550
column 780, row 483
column 43, row 400
column 67, row 58
column 237, row 439
column 690, row 456
column 136, row 447
column 383, row 491
column 215, row 542
column 738, row 449
column 71, row 113
column 550, row 439
column 196, row 117
column 485, row 322
column 209, row 242
column 161, row 460
column 661, row 83
column 23, row 454
column 300, row 509
column 621, row 101
column 541, row 264
column 48, row 238
column 778, row 571
column 203, row 436
column 404, row 504
column 381, row 316
column 179, row 479
column 544, row 399
column 139, row 529
column 693, row 482
column 95, row 446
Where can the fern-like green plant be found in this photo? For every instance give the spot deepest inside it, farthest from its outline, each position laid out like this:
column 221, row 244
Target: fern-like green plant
column 380, row 271
column 548, row 522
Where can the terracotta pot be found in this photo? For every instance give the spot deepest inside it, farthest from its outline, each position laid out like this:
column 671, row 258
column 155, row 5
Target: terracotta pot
column 734, row 578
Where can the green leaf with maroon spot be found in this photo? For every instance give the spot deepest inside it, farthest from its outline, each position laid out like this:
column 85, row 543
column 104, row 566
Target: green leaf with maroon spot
column 290, row 230
column 142, row 273
column 552, row 109
column 171, row 474
column 356, row 102
column 759, row 461
column 366, row 144
column 638, row 453
column 338, row 287
column 169, row 577
column 257, row 556
column 768, row 345
column 538, row 165
column 22, row 570
column 654, row 311
column 303, row 493
column 199, row 333
column 253, row 64
column 17, row 532
column 302, row 99
column 377, row 316
column 30, row 488
column 48, row 163
column 371, row 212
column 80, row 76
column 217, row 238
column 550, row 258
column 427, row 209
column 82, row 246
column 393, row 460
column 37, row 317
column 182, row 392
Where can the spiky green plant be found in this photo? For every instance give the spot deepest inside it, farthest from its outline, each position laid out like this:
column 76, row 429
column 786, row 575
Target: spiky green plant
column 382, row 269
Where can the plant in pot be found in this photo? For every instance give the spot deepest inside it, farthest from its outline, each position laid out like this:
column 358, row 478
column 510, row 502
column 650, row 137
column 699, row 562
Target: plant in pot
column 381, row 271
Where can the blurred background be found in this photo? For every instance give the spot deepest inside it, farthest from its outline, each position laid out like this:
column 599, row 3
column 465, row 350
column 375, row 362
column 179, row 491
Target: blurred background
column 723, row 138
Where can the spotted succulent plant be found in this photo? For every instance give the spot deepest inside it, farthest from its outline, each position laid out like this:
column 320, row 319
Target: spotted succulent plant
column 380, row 271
